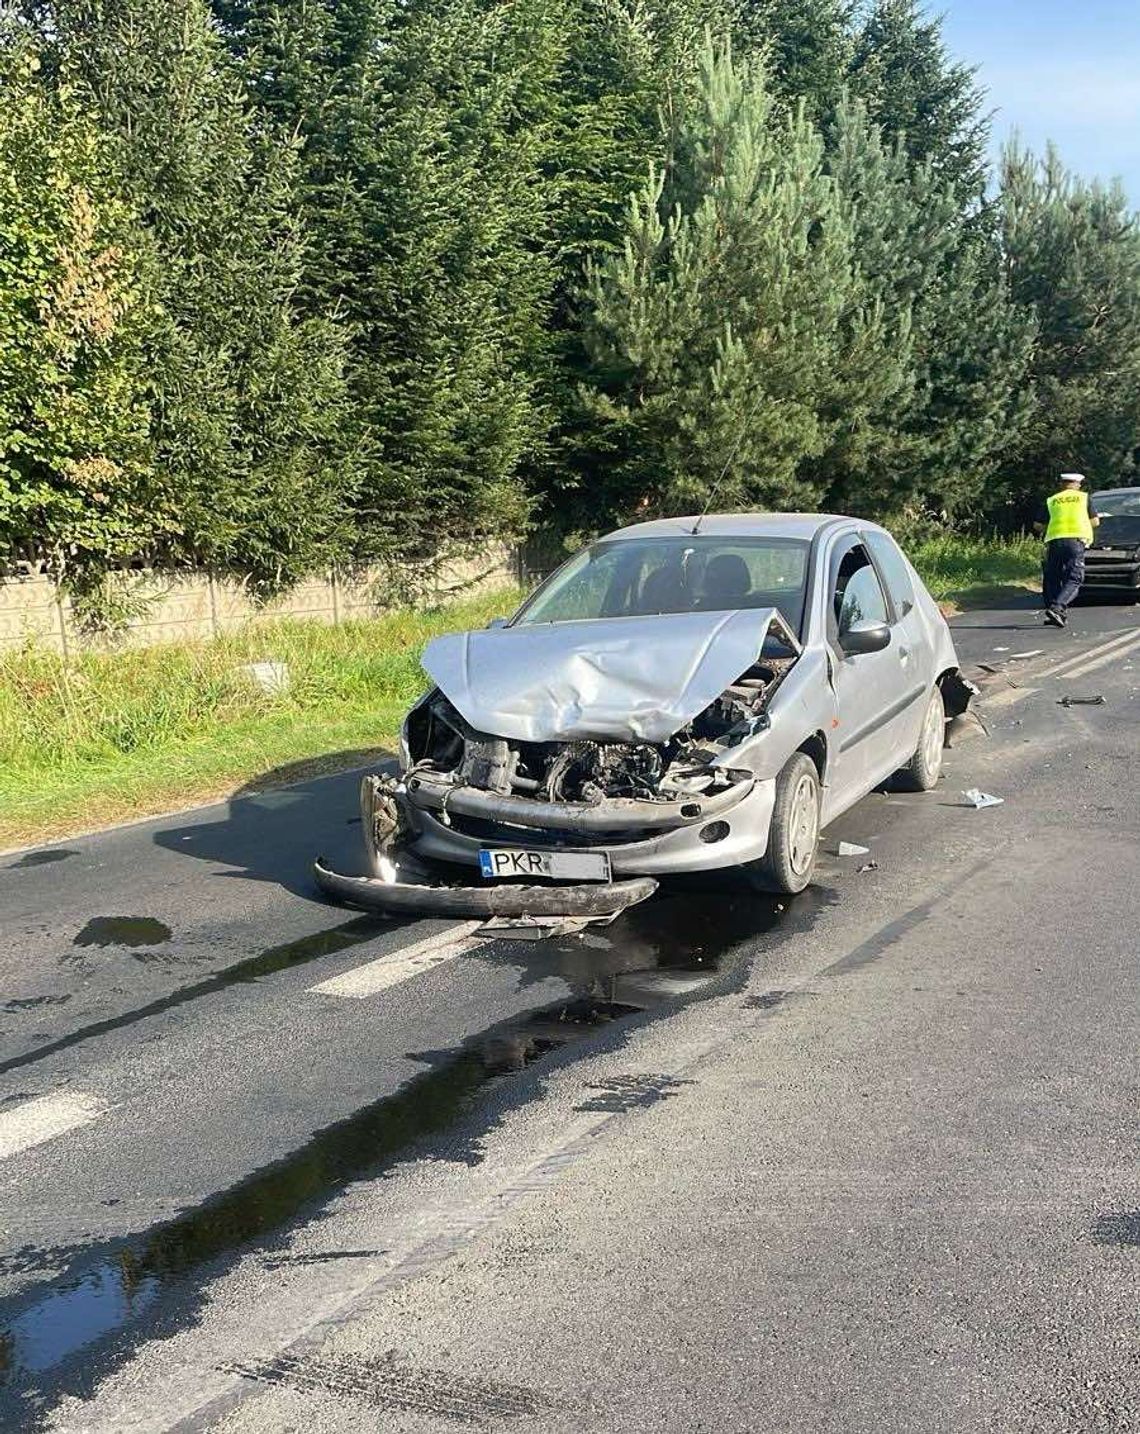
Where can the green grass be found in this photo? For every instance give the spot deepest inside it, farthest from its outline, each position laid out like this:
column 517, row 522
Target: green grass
column 969, row 572
column 106, row 737
column 109, row 736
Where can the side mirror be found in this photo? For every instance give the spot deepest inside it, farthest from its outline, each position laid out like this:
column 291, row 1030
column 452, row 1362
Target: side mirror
column 866, row 635
column 498, row 622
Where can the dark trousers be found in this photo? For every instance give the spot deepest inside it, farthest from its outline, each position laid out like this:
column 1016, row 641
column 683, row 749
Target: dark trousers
column 1064, row 571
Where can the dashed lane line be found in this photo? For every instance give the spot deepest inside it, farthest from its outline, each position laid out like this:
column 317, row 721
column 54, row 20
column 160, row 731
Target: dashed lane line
column 45, row 1117
column 390, row 970
column 1119, row 650
column 1077, row 665
column 1103, row 651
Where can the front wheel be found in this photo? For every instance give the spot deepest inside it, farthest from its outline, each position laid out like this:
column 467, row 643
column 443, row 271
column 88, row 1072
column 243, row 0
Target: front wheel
column 921, row 773
column 793, row 838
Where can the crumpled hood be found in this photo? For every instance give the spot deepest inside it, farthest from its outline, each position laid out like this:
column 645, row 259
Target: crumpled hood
column 619, row 680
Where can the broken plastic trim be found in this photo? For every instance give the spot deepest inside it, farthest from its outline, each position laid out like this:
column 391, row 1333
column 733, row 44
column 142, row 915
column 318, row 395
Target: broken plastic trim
column 957, row 693
column 371, row 893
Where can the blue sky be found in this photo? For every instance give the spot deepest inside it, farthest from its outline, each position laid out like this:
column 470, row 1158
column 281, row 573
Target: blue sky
column 1061, row 70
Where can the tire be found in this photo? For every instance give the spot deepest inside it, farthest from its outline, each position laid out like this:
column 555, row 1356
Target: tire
column 922, row 772
column 793, row 838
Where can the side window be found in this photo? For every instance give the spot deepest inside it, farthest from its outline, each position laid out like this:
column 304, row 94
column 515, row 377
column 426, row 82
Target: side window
column 857, row 595
column 893, row 567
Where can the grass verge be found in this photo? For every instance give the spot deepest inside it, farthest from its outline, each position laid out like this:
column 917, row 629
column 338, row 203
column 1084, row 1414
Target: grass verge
column 108, row 737
column 963, row 572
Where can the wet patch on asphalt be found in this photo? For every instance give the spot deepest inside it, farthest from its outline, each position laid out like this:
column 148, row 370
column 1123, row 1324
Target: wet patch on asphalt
column 1119, row 1228
column 30, row 1259
column 123, row 931
column 684, row 945
column 265, row 963
column 40, row 858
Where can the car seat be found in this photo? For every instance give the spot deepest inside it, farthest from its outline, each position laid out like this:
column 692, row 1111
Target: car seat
column 663, row 591
column 727, row 582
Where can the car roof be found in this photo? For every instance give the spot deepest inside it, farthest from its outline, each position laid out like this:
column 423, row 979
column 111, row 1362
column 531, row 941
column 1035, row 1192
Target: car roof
column 1107, row 492
column 735, row 525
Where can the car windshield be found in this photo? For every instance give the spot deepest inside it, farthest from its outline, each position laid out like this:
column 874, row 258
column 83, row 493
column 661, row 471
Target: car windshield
column 1122, row 504
column 646, row 576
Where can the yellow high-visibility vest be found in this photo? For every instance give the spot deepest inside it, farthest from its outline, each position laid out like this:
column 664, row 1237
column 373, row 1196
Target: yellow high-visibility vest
column 1069, row 516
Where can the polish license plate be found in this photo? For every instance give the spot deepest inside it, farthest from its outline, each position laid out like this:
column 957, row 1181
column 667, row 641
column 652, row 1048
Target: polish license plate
column 557, row 865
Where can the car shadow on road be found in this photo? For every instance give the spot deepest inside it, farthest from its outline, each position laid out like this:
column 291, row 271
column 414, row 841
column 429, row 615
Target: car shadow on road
column 275, row 826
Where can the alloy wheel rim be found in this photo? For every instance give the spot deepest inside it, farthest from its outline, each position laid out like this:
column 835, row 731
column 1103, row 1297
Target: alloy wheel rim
column 804, row 825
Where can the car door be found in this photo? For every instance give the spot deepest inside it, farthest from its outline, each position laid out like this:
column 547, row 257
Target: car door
column 877, row 694
column 915, row 640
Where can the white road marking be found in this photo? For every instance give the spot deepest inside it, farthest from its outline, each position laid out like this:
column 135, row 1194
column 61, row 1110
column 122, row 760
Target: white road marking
column 1107, row 650
column 1118, row 651
column 44, row 1118
column 397, row 966
column 1077, row 666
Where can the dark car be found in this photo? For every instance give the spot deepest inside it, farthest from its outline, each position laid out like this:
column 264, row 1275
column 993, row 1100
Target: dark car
column 1112, row 564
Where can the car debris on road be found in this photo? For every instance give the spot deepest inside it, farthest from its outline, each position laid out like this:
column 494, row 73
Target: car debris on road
column 1097, row 701
column 979, row 799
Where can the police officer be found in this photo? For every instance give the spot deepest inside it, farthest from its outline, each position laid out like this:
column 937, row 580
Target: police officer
column 1069, row 521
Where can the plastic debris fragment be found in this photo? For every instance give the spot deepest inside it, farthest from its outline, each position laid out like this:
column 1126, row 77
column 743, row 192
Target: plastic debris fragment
column 850, row 848
column 979, row 799
column 1097, row 701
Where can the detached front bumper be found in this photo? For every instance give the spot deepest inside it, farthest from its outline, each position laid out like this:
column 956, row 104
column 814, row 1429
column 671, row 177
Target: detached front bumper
column 600, row 901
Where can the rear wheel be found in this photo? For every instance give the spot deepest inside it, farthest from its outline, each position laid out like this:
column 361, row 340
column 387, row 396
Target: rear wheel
column 921, row 773
column 793, row 838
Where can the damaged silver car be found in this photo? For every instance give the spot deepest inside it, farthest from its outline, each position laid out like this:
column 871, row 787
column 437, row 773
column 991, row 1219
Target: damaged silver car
column 683, row 695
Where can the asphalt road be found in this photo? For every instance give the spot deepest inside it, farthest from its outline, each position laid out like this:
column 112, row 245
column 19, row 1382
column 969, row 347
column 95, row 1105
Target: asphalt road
column 866, row 1163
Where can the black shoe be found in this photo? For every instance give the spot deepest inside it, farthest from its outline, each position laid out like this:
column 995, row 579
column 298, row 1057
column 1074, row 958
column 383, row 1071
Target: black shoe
column 1054, row 617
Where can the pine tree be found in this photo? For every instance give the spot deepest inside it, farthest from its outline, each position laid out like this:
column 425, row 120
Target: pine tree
column 74, row 478
column 808, row 45
column 1072, row 256
column 247, row 396
column 916, row 92
column 421, row 132
column 711, row 333
column 922, row 414
column 899, row 223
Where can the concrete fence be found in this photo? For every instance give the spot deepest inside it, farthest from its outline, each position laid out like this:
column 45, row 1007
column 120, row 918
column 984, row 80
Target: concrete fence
column 191, row 605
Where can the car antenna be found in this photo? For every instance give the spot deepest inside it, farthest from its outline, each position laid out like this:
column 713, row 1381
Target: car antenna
column 727, row 463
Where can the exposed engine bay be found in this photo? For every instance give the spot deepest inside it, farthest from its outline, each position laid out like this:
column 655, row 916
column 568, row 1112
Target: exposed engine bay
column 442, row 744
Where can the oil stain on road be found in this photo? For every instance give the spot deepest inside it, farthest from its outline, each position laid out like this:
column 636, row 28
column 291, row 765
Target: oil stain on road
column 40, row 858
column 123, row 931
